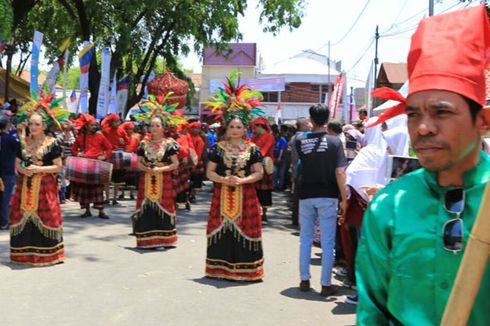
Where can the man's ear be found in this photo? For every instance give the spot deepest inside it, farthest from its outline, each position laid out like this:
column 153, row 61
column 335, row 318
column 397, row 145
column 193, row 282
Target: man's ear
column 483, row 120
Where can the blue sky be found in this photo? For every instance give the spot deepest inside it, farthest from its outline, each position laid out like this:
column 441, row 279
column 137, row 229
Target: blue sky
column 330, row 20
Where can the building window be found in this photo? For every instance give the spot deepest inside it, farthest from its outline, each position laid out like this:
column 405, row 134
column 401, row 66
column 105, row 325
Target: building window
column 270, row 96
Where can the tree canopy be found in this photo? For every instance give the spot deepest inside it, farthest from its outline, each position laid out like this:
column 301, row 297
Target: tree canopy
column 139, row 32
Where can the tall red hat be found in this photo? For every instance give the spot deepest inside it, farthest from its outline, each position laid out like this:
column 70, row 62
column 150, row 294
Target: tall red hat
column 448, row 52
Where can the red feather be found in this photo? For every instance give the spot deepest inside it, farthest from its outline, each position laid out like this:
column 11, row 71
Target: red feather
column 386, row 93
column 388, row 114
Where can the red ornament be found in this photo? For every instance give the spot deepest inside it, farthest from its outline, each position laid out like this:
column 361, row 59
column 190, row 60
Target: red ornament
column 167, row 82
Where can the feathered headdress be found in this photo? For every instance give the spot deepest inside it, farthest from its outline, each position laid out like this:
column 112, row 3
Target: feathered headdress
column 48, row 107
column 159, row 107
column 235, row 100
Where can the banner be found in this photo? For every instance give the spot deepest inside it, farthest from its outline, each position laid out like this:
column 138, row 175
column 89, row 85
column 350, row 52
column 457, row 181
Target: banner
column 73, row 101
column 36, row 49
column 150, row 78
column 113, row 97
column 278, row 117
column 105, row 81
column 338, row 89
column 2, row 45
column 53, row 74
column 263, row 84
column 84, row 58
column 122, row 94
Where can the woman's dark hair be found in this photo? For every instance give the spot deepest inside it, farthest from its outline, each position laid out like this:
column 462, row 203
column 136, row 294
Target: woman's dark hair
column 474, row 108
column 319, row 114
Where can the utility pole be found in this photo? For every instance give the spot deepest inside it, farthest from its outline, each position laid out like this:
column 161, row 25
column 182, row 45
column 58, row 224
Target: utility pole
column 376, row 61
column 431, row 7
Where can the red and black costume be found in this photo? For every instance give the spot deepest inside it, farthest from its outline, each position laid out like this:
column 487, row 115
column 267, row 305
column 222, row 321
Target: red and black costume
column 182, row 174
column 36, row 234
column 265, row 142
column 234, row 230
column 197, row 175
column 92, row 146
column 154, row 224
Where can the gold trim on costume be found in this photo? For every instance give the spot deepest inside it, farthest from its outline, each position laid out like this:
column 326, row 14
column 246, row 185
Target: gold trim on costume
column 231, row 202
column 153, row 187
column 30, row 194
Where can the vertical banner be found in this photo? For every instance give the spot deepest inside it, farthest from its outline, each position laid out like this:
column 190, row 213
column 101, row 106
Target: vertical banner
column 53, row 73
column 113, row 97
column 150, row 78
column 67, row 55
column 2, row 45
column 122, row 94
column 345, row 104
column 278, row 117
column 84, row 58
column 105, row 80
column 73, row 101
column 36, row 49
column 336, row 95
column 353, row 109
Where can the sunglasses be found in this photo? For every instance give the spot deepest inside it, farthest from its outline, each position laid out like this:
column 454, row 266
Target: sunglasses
column 453, row 230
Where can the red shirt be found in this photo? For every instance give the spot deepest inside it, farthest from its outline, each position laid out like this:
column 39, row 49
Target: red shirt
column 114, row 136
column 134, row 142
column 198, row 144
column 266, row 144
column 92, row 145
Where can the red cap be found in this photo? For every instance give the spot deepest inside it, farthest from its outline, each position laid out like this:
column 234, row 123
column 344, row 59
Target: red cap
column 450, row 52
column 262, row 122
column 83, row 120
column 195, row 124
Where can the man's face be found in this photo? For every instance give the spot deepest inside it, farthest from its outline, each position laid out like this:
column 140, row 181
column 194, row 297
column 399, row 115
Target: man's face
column 258, row 130
column 441, row 129
column 92, row 127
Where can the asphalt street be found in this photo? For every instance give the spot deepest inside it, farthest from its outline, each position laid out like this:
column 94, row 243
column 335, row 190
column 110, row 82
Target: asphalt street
column 106, row 281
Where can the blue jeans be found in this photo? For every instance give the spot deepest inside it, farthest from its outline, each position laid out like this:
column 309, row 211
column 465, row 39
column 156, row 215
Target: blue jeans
column 324, row 209
column 9, row 183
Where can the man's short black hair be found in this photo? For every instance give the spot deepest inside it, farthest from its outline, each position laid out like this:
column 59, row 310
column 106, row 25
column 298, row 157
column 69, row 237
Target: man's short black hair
column 335, row 126
column 474, row 108
column 319, row 114
column 364, row 111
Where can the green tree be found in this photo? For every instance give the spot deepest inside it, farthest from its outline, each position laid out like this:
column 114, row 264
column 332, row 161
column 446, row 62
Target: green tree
column 139, row 32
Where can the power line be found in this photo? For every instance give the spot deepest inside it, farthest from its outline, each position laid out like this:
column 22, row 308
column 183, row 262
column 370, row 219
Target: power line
column 353, row 24
column 362, row 56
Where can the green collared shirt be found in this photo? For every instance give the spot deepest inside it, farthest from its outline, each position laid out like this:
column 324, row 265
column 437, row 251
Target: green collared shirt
column 404, row 275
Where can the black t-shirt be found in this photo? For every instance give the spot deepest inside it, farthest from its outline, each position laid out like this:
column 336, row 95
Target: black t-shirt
column 320, row 156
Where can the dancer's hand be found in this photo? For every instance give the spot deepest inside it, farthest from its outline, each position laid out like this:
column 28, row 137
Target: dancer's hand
column 33, row 169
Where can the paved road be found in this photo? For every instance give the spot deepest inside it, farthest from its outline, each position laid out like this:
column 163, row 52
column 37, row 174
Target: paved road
column 106, row 281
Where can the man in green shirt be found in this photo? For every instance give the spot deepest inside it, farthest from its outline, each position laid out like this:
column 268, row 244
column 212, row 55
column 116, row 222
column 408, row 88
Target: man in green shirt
column 410, row 251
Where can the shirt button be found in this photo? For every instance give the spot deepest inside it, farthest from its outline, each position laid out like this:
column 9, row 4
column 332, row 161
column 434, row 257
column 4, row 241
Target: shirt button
column 444, row 285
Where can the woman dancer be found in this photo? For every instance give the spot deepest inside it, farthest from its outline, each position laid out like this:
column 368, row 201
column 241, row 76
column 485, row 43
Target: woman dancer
column 154, row 222
column 234, row 230
column 36, row 234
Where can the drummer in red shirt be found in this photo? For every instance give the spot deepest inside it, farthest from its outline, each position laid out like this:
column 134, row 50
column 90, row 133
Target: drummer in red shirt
column 118, row 138
column 90, row 143
column 197, row 174
column 263, row 138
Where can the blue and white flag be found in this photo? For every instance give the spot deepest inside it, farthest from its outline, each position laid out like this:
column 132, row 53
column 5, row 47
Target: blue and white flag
column 113, row 99
column 84, row 57
column 105, row 81
column 36, row 50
